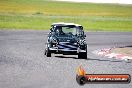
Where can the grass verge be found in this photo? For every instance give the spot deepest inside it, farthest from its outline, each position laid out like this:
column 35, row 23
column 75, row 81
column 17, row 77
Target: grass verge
column 39, row 14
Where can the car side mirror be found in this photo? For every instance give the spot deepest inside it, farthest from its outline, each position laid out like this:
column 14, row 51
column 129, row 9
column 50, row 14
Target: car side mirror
column 50, row 29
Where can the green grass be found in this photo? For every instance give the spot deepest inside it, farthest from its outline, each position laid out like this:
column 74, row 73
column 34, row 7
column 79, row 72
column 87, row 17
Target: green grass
column 40, row 14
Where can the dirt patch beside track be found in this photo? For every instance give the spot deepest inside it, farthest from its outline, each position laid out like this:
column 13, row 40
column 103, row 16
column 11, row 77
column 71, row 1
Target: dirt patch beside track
column 126, row 51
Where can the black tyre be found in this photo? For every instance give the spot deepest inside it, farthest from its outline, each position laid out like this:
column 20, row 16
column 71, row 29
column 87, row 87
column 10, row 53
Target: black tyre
column 82, row 55
column 47, row 53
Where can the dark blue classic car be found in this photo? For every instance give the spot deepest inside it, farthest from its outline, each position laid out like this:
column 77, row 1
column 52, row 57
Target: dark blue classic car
column 66, row 39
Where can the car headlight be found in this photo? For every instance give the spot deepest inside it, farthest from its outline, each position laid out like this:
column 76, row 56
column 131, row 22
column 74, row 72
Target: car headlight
column 53, row 40
column 82, row 42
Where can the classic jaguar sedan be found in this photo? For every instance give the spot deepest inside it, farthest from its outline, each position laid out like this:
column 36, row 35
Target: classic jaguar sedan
column 66, row 39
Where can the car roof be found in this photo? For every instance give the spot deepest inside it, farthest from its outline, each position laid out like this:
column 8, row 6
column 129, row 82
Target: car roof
column 64, row 24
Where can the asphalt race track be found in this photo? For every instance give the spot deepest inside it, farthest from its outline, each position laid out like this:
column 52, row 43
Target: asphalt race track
column 23, row 64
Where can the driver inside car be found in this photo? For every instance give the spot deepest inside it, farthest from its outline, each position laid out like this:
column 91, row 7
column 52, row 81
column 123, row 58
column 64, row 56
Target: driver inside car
column 59, row 31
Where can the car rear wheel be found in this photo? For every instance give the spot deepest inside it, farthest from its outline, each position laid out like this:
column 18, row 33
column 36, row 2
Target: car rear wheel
column 82, row 55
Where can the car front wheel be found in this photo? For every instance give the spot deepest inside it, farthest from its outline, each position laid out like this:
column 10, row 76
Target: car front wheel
column 47, row 53
column 82, row 55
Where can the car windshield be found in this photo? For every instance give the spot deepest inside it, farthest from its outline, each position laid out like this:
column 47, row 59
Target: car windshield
column 69, row 30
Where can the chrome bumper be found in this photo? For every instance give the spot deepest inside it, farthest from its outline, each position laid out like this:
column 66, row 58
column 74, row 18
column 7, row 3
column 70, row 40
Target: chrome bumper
column 66, row 50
